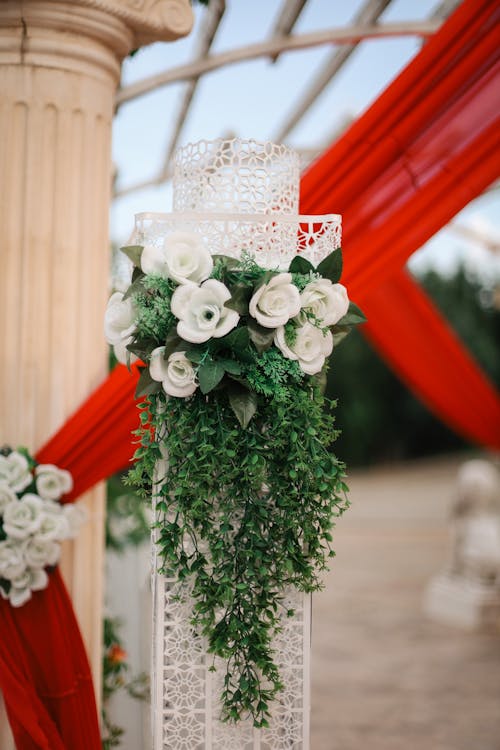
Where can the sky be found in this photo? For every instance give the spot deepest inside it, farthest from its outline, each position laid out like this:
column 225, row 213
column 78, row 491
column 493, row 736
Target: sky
column 252, row 99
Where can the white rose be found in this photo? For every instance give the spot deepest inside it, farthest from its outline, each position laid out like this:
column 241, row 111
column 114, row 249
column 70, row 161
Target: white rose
column 7, row 495
column 274, row 303
column 183, row 258
column 119, row 324
column 176, row 374
column 14, row 469
column 38, row 554
column 33, row 579
column 328, row 302
column 201, row 311
column 12, row 562
column 52, row 482
column 76, row 515
column 24, row 517
column 53, row 526
column 310, row 348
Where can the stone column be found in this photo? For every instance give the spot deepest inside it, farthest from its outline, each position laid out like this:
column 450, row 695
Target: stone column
column 59, row 69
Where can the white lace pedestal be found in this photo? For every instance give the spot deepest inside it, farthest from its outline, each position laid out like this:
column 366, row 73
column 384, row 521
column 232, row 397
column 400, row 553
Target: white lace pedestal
column 186, row 705
column 241, row 196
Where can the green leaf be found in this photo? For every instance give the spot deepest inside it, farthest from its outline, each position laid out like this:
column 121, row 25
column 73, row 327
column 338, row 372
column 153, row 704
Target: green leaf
column 133, row 252
column 237, row 339
column 261, row 337
column 240, row 297
column 146, row 386
column 339, row 335
column 173, row 343
column 195, row 354
column 353, row 317
column 210, row 374
column 230, row 366
column 135, row 287
column 244, row 404
column 331, row 266
column 301, row 265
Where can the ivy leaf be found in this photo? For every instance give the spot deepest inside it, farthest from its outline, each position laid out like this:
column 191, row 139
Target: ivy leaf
column 261, row 337
column 240, row 297
column 133, row 252
column 237, row 339
column 331, row 266
column 136, row 286
column 210, row 374
column 137, row 273
column 230, row 366
column 146, row 386
column 339, row 334
column 353, row 317
column 301, row 265
column 195, row 355
column 244, row 404
column 173, row 343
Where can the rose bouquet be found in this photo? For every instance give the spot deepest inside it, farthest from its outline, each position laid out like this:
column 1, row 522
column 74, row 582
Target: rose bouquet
column 33, row 523
column 234, row 357
column 205, row 321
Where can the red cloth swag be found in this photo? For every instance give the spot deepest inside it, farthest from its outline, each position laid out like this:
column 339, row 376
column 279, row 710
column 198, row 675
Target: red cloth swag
column 419, row 154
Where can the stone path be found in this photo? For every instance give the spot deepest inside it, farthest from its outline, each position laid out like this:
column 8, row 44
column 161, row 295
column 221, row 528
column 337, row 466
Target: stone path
column 384, row 676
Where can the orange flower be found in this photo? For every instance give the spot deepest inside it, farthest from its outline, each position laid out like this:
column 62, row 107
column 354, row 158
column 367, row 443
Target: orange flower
column 116, row 654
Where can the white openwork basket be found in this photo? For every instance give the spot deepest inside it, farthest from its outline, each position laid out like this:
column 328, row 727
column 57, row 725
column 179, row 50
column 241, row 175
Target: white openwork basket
column 240, row 196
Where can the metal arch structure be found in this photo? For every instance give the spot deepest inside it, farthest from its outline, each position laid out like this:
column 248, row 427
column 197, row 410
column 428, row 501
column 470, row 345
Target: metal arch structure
column 346, row 39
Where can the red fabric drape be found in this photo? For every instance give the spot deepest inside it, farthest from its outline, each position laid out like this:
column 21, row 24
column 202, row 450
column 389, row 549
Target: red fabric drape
column 44, row 671
column 422, row 151
column 96, row 441
column 45, row 675
column 417, row 156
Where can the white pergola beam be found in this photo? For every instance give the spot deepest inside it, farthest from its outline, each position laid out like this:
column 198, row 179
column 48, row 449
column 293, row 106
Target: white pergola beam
column 346, row 35
column 367, row 15
column 208, row 30
column 286, row 20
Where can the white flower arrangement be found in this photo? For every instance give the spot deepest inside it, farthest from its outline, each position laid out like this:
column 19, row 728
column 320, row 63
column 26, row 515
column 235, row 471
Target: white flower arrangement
column 197, row 320
column 33, row 523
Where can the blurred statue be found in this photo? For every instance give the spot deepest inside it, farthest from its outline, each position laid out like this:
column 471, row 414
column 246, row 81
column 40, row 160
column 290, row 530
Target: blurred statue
column 476, row 524
column 467, row 593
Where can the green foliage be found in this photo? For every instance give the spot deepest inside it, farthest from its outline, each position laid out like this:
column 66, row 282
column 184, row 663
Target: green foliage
column 250, row 489
column 257, row 506
column 152, row 301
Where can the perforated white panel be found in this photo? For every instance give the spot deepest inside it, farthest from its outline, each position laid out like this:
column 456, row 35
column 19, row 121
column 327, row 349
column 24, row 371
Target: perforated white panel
column 272, row 241
column 186, row 706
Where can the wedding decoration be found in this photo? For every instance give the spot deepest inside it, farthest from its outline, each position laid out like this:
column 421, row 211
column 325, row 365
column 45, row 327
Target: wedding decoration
column 234, row 305
column 250, row 479
column 33, row 522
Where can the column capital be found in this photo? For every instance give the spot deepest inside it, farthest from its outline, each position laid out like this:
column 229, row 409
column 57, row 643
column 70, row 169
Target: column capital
column 86, row 36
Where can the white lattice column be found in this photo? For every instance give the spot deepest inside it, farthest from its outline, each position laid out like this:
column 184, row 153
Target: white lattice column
column 59, row 69
column 240, row 196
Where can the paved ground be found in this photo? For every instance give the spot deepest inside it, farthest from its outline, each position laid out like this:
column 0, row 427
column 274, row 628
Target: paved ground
column 384, row 676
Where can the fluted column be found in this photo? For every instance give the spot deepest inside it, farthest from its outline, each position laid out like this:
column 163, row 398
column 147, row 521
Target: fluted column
column 59, row 69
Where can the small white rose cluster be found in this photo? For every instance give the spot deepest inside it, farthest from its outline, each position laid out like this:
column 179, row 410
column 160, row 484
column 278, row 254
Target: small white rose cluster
column 32, row 524
column 199, row 304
